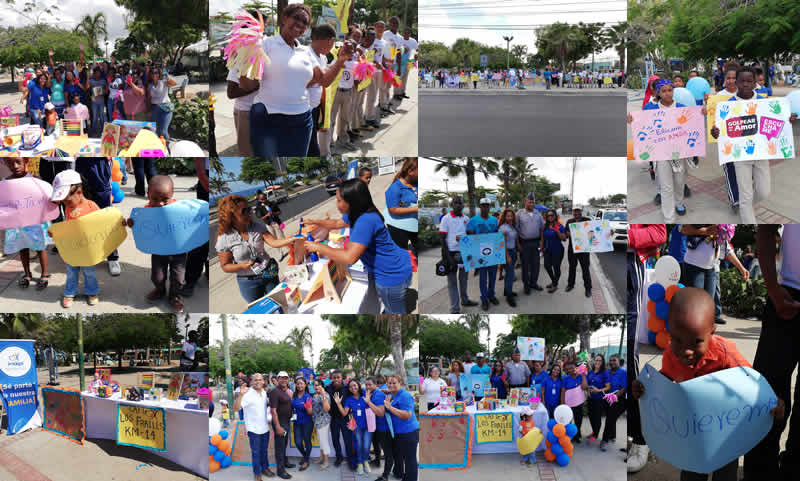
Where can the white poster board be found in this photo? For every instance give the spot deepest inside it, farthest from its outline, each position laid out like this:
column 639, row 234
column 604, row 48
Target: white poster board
column 531, row 348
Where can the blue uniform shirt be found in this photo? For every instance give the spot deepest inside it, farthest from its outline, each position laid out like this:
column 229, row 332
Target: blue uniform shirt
column 404, row 401
column 552, row 243
column 297, row 404
column 358, row 408
column 480, row 370
column 552, row 391
column 540, row 378
column 380, row 421
column 618, row 378
column 479, row 225
column 401, row 195
column 599, row 381
column 390, row 264
column 38, row 96
column 572, row 382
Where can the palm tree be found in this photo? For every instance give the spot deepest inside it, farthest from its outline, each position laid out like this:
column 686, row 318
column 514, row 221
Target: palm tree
column 474, row 323
column 616, row 37
column 455, row 166
column 563, row 38
column 93, row 27
column 299, row 338
column 522, row 170
column 392, row 326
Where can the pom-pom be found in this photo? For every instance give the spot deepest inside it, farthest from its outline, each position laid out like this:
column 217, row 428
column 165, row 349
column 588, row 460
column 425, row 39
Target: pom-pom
column 244, row 51
column 363, row 70
column 610, row 398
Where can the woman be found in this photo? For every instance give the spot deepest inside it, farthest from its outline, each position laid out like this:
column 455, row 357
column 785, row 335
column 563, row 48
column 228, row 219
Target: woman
column 538, row 375
column 58, row 88
column 453, row 379
column 280, row 118
column 355, row 404
column 382, row 438
column 599, row 385
column 573, row 395
column 134, row 96
column 303, row 424
column 496, row 378
column 38, row 95
column 406, row 427
column 552, row 389
column 116, row 83
column 98, row 88
column 432, row 387
column 320, row 407
column 618, row 379
column 388, row 266
column 240, row 248
column 401, row 206
column 552, row 245
column 509, row 230
column 158, row 100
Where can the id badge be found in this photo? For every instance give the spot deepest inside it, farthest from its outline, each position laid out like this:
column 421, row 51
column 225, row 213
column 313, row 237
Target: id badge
column 554, row 391
column 259, row 267
column 358, row 413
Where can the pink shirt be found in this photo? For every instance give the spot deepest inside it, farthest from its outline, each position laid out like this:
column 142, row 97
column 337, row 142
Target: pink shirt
column 133, row 103
column 77, row 112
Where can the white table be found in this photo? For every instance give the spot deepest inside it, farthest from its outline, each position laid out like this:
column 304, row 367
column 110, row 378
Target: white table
column 187, row 429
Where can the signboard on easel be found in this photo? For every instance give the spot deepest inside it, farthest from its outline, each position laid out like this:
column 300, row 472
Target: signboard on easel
column 330, row 283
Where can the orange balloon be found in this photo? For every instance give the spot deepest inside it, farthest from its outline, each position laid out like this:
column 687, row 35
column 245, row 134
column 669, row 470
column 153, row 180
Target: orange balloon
column 216, row 439
column 569, row 449
column 630, row 150
column 651, row 307
column 655, row 324
column 559, row 430
column 116, row 173
column 662, row 339
column 671, row 290
column 224, row 446
column 548, row 455
column 564, row 441
column 547, row 443
column 213, row 466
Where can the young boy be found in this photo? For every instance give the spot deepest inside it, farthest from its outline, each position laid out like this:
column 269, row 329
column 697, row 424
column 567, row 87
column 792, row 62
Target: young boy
column 694, row 351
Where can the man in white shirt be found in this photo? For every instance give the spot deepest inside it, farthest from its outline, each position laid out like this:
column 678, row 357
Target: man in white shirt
column 343, row 105
column 451, row 228
column 253, row 401
column 409, row 45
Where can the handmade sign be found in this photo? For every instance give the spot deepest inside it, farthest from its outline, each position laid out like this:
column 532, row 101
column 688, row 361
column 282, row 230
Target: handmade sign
column 591, row 236
column 63, row 413
column 146, row 380
column 711, row 112
column 464, row 384
column 174, row 387
column 531, row 348
column 141, row 426
column 314, row 437
column 493, row 428
column 444, row 441
column 191, row 383
column 173, row 229
column 109, row 140
column 130, row 128
column 482, row 250
column 25, row 202
column 87, row 240
column 754, row 129
column 105, row 374
column 668, row 134
column 479, row 382
column 705, row 423
column 9, row 120
column 240, row 449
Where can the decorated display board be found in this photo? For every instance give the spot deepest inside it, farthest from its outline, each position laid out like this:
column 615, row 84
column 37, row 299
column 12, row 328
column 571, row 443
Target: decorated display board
column 25, row 202
column 703, row 424
column 109, row 140
column 531, row 348
column 173, row 229
column 711, row 112
column 146, row 380
column 330, row 283
column 63, row 413
column 668, row 134
column 105, row 374
column 754, row 129
column 18, row 380
column 479, row 382
column 174, row 386
column 444, row 440
column 141, row 426
column 191, row 383
column 88, row 240
column 240, row 452
column 591, row 236
column 494, row 427
column 482, row 250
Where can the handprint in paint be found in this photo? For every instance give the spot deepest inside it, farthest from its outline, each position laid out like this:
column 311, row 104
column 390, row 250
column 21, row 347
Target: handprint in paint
column 775, row 107
column 737, row 151
column 692, row 140
column 786, row 148
column 726, row 149
column 772, row 149
column 648, row 151
column 641, row 136
column 724, row 110
column 750, row 147
column 658, row 121
column 751, row 108
column 686, row 114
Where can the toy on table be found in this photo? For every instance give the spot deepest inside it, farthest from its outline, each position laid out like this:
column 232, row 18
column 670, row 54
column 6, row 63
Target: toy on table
column 31, row 137
column 104, row 391
column 459, row 406
column 534, row 402
column 314, row 257
column 204, row 398
column 134, row 394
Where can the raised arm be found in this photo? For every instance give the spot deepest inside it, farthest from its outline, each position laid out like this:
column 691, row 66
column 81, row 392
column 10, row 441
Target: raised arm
column 348, row 255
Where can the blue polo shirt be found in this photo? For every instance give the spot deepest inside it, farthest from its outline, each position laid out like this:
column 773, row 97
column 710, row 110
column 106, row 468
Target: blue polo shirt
column 539, row 379
column 598, row 380
column 619, row 379
column 390, row 264
column 377, row 399
column 358, row 408
column 552, row 391
column 297, row 405
column 572, row 382
column 656, row 106
column 401, row 195
column 677, row 244
column 38, row 96
column 480, row 370
column 479, row 225
column 404, row 401
column 552, row 243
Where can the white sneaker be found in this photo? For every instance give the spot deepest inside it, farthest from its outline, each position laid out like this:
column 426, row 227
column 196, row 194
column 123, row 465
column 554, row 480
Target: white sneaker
column 113, row 268
column 360, row 469
column 637, row 457
column 366, row 468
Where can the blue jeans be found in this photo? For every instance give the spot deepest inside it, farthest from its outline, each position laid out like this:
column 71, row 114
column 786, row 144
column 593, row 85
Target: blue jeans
column 98, row 118
column 363, row 441
column 37, row 118
column 406, row 454
column 259, row 443
column 457, row 285
column 254, row 289
column 279, row 135
column 703, row 279
column 486, row 279
column 302, row 438
column 111, row 103
column 339, row 425
column 717, row 293
column 60, row 109
column 143, row 169
column 394, row 297
column 162, row 120
column 90, row 287
column 530, row 457
column 508, row 287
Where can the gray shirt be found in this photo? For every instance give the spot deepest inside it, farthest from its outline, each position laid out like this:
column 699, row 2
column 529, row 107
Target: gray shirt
column 244, row 250
column 529, row 224
column 318, row 414
column 518, row 373
column 511, row 235
column 453, row 380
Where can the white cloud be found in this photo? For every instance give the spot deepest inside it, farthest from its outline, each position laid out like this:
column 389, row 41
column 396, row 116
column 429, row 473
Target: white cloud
column 70, row 12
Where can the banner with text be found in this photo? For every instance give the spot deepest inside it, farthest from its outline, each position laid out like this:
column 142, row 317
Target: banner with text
column 18, row 385
column 667, row 134
column 25, row 202
column 754, row 129
column 173, row 229
column 88, row 240
column 494, row 427
column 141, row 426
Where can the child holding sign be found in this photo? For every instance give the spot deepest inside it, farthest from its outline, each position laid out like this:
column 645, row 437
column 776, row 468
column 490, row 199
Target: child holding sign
column 525, row 426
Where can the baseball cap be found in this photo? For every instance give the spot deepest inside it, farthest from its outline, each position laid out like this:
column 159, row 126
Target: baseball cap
column 49, row 106
column 62, row 183
column 480, row 354
column 283, row 374
column 485, row 200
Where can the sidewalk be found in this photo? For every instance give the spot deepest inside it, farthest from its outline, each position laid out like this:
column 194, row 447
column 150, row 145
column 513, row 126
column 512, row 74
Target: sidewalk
column 224, row 291
column 745, row 333
column 602, row 301
column 125, row 293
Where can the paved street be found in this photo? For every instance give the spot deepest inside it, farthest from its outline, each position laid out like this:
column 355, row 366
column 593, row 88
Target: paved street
column 510, row 122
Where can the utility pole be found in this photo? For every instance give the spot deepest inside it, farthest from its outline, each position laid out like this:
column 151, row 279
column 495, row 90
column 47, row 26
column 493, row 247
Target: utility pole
column 80, row 353
column 508, row 49
column 226, row 351
column 572, row 182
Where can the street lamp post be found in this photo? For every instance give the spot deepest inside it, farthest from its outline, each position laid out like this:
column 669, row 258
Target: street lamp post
column 446, row 180
column 508, row 47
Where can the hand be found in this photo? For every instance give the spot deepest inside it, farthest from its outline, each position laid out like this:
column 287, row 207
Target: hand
column 247, row 264
column 785, row 306
column 703, row 110
column 243, row 390
column 746, row 274
column 337, row 397
column 779, row 410
column 630, row 118
column 715, row 132
column 279, row 430
column 80, row 46
column 50, row 233
column 368, row 396
column 311, row 246
column 637, row 389
column 388, row 401
column 50, row 52
column 705, row 99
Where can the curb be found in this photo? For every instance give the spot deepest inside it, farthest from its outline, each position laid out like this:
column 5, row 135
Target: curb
column 608, row 301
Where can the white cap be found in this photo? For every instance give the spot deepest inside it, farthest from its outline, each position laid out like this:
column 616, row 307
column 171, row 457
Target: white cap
column 49, row 106
column 224, row 401
column 283, row 374
column 63, row 181
column 485, row 200
column 480, row 354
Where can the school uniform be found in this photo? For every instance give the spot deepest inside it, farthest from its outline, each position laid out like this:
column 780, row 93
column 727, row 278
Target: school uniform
column 342, row 107
column 241, row 117
column 671, row 175
column 371, row 110
column 753, row 180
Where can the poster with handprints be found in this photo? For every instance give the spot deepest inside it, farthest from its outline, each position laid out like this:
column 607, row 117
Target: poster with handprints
column 591, row 236
column 482, row 250
column 63, row 413
column 531, row 348
column 711, row 112
column 668, row 134
column 754, row 129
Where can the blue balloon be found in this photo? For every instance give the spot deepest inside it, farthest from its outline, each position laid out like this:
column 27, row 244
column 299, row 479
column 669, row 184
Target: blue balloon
column 651, row 337
column 223, row 434
column 662, row 310
column 683, row 96
column 562, row 459
column 557, row 449
column 794, row 101
column 698, row 86
column 219, row 455
column 550, row 424
column 226, row 461
column 572, row 430
column 116, row 193
column 552, row 438
column 212, row 449
column 680, row 286
column 656, row 292
column 666, row 325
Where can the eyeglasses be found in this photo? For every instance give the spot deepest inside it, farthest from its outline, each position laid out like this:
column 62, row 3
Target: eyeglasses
column 300, row 19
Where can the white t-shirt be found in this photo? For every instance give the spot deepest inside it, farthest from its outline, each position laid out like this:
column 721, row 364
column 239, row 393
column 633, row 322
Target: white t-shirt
column 315, row 92
column 283, row 85
column 377, row 47
column 159, row 92
column 468, row 366
column 254, row 405
column 410, row 44
column 346, row 82
column 790, row 267
column 242, row 104
column 390, row 40
column 432, row 389
column 454, row 227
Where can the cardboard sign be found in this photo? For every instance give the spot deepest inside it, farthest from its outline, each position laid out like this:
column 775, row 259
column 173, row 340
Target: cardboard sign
column 141, row 426
column 479, row 382
column 25, row 202
column 173, row 229
column 493, row 428
column 754, row 129
column 711, row 112
column 482, row 250
column 240, row 450
column 591, row 236
column 314, row 437
column 444, row 441
column 703, row 424
column 63, row 413
column 667, row 134
column 109, row 140
column 88, row 240
column 531, row 348
column 174, row 387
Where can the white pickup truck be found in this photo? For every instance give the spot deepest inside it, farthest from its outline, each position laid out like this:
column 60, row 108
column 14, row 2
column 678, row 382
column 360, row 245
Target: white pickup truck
column 276, row 194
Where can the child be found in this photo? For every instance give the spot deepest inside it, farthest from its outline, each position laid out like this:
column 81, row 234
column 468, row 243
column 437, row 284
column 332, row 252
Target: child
column 24, row 239
column 68, row 189
column 525, row 426
column 694, row 351
column 160, row 192
column 77, row 111
column 50, row 118
column 225, row 413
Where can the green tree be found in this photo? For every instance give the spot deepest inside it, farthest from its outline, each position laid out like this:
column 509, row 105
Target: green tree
column 333, row 358
column 617, row 198
column 395, row 327
column 616, row 36
column 256, row 169
column 296, row 165
column 93, row 26
column 432, row 197
column 300, row 339
column 17, row 326
column 33, row 10
column 445, row 339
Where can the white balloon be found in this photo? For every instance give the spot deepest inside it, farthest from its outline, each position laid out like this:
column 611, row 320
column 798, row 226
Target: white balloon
column 563, row 414
column 186, row 148
column 214, row 425
column 668, row 271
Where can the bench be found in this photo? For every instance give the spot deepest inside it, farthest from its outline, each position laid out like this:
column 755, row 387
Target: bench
column 182, row 82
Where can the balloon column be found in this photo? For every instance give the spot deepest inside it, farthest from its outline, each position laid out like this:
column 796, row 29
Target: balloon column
column 660, row 294
column 117, row 195
column 219, row 447
column 559, row 439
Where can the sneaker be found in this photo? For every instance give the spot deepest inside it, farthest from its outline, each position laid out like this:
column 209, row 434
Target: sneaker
column 592, row 440
column 360, row 469
column 66, row 302
column 680, row 210
column 268, row 473
column 155, row 295
column 485, row 305
column 367, row 127
column 366, row 468
column 113, row 268
column 284, row 475
column 92, row 300
column 637, row 457
column 603, row 446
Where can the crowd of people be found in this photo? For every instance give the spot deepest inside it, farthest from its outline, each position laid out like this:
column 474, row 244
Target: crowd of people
column 283, row 113
column 547, row 77
column 351, row 416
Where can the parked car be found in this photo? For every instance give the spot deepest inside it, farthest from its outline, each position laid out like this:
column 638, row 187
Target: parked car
column 275, row 193
column 618, row 219
column 332, row 183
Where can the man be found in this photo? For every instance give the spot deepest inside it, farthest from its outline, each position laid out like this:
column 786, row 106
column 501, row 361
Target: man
column 468, row 362
column 484, row 223
column 339, row 423
column 269, row 213
column 253, row 401
column 410, row 45
column 582, row 257
column 530, row 226
column 391, row 41
column 376, row 45
column 480, row 368
column 518, row 374
column 280, row 401
column 451, row 228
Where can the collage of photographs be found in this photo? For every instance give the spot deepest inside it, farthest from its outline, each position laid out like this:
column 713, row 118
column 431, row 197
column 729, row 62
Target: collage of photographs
column 340, row 240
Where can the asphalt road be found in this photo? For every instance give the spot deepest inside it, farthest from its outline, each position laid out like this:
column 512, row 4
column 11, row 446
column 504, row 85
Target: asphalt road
column 528, row 125
column 614, row 266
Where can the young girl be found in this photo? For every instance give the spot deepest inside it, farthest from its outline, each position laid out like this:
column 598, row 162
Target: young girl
column 525, row 426
column 508, row 228
column 24, row 239
column 50, row 118
column 77, row 111
column 356, row 405
column 225, row 413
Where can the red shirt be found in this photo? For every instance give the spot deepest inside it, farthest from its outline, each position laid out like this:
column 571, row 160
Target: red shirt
column 84, row 208
column 526, row 426
column 721, row 354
